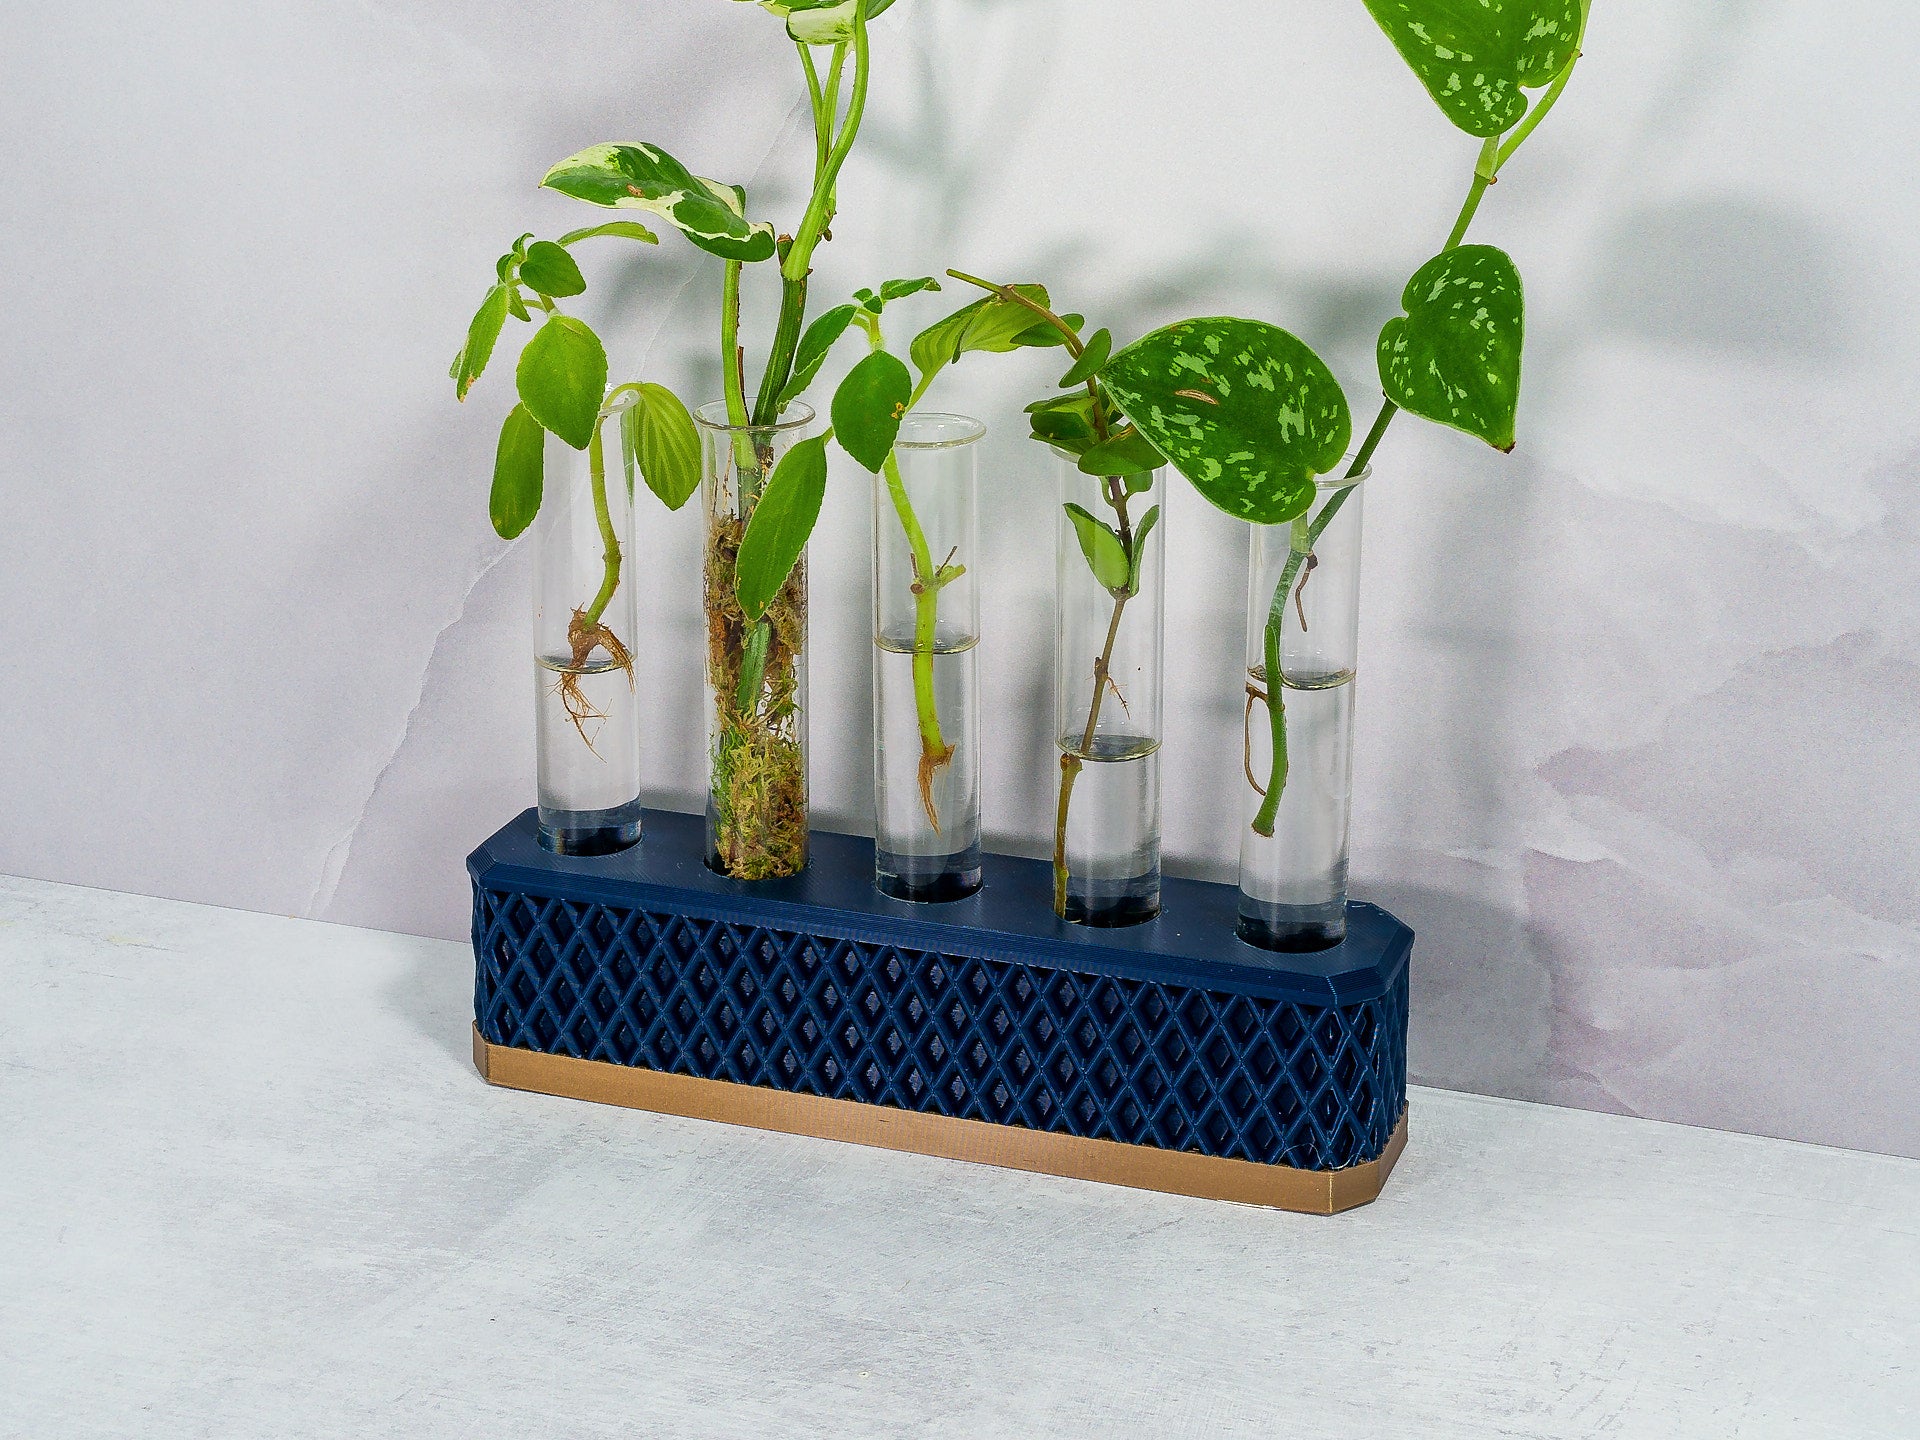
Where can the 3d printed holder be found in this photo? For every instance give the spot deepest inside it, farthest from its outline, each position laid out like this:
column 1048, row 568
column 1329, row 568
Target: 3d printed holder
column 1169, row 1056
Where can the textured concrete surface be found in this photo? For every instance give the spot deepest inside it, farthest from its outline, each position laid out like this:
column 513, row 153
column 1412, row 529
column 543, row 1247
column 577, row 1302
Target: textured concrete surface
column 251, row 1185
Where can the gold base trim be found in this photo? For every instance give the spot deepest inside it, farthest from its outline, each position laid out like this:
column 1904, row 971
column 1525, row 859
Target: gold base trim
column 1143, row 1167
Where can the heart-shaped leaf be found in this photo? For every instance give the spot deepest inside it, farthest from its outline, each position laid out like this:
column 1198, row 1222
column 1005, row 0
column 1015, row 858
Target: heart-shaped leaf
column 1475, row 56
column 552, row 271
column 782, row 520
column 811, row 353
column 1093, row 359
column 1454, row 357
column 1244, row 410
column 661, row 434
column 563, row 377
column 518, row 470
column 869, row 406
column 482, row 333
column 1101, row 544
column 644, row 177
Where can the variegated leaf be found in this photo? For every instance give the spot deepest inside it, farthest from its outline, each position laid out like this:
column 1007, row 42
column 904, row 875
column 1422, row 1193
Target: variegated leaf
column 643, row 177
column 1476, row 56
column 1244, row 410
column 1454, row 357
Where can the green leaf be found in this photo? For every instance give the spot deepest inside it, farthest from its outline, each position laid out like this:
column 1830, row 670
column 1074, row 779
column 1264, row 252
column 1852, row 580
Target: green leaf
column 1046, row 335
column 630, row 229
column 1140, row 534
column 643, row 177
column 663, row 437
column 1128, row 453
column 563, row 377
column 551, row 270
column 1454, row 357
column 869, row 406
column 1101, row 544
column 1476, row 56
column 517, row 307
column 1092, row 360
column 518, row 467
column 482, row 333
column 820, row 22
column 1244, row 410
column 900, row 289
column 993, row 323
column 782, row 520
column 811, row 353
column 1065, row 421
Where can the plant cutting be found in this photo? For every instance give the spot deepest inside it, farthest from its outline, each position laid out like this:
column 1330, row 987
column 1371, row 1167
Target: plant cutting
column 1253, row 418
column 589, row 783
column 920, row 463
column 1453, row 357
column 1108, row 628
column 756, row 679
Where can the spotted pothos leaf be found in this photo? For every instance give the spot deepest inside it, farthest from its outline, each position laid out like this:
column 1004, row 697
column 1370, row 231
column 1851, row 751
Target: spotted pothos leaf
column 644, row 177
column 1476, row 56
column 1244, row 410
column 1454, row 357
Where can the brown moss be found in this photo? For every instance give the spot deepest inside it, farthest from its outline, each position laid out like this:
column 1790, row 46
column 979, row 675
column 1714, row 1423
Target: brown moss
column 759, row 783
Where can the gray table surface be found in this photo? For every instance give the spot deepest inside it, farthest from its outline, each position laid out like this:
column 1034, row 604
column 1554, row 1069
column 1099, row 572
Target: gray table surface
column 250, row 1186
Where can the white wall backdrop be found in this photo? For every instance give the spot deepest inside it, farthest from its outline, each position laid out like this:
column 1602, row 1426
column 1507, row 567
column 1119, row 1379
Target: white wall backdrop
column 1639, row 749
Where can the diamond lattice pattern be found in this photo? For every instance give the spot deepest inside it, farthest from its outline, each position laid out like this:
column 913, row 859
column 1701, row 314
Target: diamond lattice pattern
column 996, row 1040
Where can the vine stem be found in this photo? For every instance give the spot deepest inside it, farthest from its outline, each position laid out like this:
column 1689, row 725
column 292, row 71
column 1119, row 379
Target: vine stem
column 928, row 582
column 1116, row 492
column 1486, row 171
column 610, row 581
column 797, row 257
column 1070, row 762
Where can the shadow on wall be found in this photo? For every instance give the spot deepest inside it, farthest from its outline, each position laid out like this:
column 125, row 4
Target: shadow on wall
column 1731, row 275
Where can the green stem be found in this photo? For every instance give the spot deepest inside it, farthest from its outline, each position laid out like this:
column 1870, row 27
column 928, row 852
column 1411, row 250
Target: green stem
column 927, row 585
column 786, row 339
column 820, row 206
column 1485, row 171
column 816, row 97
column 730, row 378
column 1070, row 762
column 796, row 263
column 610, row 581
column 1548, row 100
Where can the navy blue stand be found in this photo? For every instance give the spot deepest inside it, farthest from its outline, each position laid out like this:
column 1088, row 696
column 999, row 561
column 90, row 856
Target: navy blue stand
column 1174, row 1035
